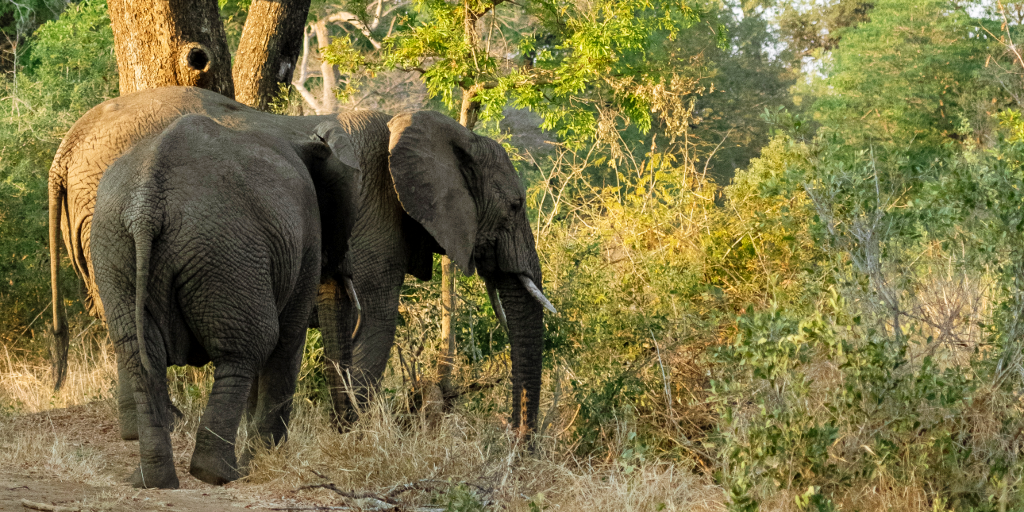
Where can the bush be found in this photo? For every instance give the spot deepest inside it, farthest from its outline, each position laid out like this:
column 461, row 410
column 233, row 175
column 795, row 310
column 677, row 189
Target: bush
column 892, row 383
column 69, row 68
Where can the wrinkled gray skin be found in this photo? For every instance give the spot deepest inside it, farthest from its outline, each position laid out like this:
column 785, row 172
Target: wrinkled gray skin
column 206, row 247
column 480, row 222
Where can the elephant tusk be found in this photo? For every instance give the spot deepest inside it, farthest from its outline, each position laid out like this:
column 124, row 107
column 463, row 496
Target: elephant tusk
column 492, row 293
column 537, row 294
column 351, row 289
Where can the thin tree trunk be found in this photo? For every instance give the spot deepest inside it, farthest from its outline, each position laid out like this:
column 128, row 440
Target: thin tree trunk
column 448, row 305
column 271, row 42
column 170, row 42
column 329, row 103
column 467, row 117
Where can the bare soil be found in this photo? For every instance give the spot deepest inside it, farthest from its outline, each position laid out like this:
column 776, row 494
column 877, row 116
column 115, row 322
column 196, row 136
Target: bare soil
column 92, row 432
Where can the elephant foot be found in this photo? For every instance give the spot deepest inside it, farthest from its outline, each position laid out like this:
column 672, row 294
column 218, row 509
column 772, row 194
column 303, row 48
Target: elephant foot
column 155, row 477
column 214, row 469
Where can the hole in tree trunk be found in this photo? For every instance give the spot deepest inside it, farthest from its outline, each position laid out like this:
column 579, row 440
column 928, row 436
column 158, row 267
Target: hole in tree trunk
column 197, row 59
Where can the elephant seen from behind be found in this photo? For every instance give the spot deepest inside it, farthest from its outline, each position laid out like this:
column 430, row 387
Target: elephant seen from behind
column 206, row 246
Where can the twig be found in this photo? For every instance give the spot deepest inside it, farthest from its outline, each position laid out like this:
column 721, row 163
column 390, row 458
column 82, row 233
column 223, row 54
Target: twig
column 388, row 497
column 351, row 494
column 47, row 507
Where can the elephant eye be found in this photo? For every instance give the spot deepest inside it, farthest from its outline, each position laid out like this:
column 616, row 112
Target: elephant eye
column 517, row 205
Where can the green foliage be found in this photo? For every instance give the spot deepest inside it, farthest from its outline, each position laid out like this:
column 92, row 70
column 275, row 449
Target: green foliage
column 810, row 29
column 623, row 263
column 71, row 61
column 19, row 17
column 462, row 498
column 68, row 68
column 908, row 75
column 820, row 400
column 740, row 77
column 565, row 55
column 837, row 405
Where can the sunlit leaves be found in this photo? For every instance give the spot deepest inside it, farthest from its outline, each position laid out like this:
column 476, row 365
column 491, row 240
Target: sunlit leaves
column 555, row 58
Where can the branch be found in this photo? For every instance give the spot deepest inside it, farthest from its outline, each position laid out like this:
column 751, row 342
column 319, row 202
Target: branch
column 388, row 497
column 376, row 16
column 352, row 19
column 300, row 81
column 329, row 102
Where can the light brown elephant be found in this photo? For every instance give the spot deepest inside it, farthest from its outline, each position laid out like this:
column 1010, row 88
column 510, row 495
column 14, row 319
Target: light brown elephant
column 429, row 186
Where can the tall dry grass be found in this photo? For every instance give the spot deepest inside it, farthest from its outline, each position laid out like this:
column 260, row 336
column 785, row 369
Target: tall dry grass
column 26, row 385
column 466, row 454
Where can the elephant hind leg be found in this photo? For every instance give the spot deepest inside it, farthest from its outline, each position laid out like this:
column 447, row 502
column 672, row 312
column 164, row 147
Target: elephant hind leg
column 239, row 355
column 279, row 375
column 213, row 460
column 156, row 468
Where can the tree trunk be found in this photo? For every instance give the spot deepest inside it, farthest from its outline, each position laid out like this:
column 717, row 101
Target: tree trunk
column 329, row 103
column 271, row 43
column 467, row 117
column 170, row 42
column 447, row 361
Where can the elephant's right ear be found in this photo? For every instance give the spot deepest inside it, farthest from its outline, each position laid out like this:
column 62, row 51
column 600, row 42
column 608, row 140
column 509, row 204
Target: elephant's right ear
column 332, row 134
column 428, row 151
column 337, row 178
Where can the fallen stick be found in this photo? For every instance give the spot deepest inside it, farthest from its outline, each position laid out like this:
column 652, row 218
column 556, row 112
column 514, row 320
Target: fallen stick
column 47, row 507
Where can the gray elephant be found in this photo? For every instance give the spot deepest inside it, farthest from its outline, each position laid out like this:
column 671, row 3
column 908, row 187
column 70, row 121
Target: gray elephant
column 206, row 246
column 459, row 193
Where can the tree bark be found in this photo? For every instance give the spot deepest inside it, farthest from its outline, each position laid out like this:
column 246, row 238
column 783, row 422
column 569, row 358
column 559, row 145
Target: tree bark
column 446, row 362
column 329, row 103
column 468, row 115
column 271, row 43
column 170, row 42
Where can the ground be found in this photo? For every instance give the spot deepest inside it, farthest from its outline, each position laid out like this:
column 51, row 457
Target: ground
column 92, row 430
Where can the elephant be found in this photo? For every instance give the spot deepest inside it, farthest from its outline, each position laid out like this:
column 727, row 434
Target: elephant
column 207, row 247
column 429, row 186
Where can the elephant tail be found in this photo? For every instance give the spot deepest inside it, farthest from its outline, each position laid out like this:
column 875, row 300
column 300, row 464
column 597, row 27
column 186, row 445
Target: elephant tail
column 61, row 340
column 143, row 249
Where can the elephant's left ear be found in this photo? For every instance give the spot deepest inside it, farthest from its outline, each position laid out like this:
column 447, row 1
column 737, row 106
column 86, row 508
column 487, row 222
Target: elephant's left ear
column 429, row 154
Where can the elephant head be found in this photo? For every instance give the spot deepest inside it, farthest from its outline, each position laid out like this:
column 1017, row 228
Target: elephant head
column 463, row 189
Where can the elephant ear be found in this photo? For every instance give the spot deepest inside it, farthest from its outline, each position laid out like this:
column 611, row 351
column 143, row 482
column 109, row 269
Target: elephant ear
column 429, row 152
column 331, row 133
column 334, row 167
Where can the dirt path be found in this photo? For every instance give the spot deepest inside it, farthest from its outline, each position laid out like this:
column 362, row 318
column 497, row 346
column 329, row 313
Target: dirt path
column 74, row 458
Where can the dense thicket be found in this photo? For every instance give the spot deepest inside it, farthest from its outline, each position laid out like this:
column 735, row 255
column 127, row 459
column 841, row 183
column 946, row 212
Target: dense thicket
column 786, row 240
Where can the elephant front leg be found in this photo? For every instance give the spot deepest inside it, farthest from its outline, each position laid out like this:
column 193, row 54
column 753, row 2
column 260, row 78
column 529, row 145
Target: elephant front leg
column 336, row 326
column 372, row 347
column 213, row 460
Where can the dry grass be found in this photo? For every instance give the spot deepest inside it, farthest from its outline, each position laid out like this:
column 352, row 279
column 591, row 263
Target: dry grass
column 387, row 448
column 27, row 387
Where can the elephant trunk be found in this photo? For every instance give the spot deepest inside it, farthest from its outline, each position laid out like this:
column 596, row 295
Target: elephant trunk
column 525, row 317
